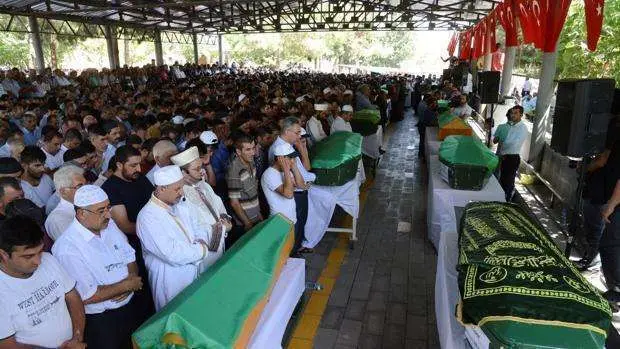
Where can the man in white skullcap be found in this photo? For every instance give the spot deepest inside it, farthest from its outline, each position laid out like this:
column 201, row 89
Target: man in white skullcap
column 198, row 192
column 97, row 255
column 162, row 151
column 342, row 121
column 173, row 244
column 314, row 126
column 279, row 183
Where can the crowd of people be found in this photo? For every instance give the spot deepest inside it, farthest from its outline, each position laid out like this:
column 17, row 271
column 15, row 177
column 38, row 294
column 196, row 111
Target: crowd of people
column 118, row 188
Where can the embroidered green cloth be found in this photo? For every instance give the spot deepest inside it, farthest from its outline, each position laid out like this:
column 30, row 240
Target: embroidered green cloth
column 335, row 159
column 518, row 286
column 222, row 307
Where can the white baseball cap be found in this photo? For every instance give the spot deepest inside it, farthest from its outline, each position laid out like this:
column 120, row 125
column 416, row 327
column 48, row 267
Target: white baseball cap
column 208, row 138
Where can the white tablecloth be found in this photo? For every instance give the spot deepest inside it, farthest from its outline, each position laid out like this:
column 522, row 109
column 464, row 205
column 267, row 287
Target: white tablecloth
column 284, row 297
column 322, row 201
column 371, row 144
column 442, row 199
column 443, row 220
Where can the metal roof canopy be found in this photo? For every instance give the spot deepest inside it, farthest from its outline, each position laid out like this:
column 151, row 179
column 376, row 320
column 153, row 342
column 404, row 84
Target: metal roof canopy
column 223, row 16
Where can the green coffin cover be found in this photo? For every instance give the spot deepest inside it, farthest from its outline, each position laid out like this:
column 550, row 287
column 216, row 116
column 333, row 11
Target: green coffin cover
column 445, row 118
column 366, row 121
column 518, row 286
column 222, row 307
column 469, row 163
column 442, row 103
column 335, row 159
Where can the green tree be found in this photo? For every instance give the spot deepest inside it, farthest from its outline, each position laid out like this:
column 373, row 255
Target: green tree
column 575, row 60
column 14, row 50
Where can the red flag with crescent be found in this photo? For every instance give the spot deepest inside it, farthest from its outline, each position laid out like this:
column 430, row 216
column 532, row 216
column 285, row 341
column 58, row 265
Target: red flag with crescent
column 452, row 44
column 507, row 17
column 594, row 21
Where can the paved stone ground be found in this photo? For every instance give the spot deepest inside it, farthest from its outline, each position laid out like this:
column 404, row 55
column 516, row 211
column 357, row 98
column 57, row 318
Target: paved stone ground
column 384, row 295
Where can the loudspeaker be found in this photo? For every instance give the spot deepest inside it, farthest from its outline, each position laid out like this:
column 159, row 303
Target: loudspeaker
column 581, row 117
column 488, row 86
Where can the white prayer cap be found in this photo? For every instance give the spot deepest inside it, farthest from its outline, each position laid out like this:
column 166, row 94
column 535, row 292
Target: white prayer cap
column 304, row 133
column 168, row 175
column 327, row 90
column 88, row 195
column 321, row 107
column 347, row 108
column 177, row 120
column 188, row 120
column 185, row 157
column 241, row 97
column 283, row 149
column 208, row 138
column 347, row 92
column 300, row 99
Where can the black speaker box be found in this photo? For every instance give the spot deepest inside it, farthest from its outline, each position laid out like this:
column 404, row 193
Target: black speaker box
column 581, row 117
column 488, row 86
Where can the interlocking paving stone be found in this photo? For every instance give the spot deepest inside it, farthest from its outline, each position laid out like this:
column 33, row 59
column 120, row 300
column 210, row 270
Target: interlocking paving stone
column 384, row 294
column 374, row 322
column 325, row 338
column 349, row 333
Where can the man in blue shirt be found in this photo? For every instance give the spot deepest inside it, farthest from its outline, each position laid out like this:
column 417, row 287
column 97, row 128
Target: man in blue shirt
column 515, row 135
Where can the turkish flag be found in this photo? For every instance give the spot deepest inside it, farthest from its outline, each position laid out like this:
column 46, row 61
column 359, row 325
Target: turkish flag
column 594, row 21
column 452, row 44
column 464, row 45
column 531, row 20
column 556, row 17
column 478, row 43
column 506, row 15
column 491, row 25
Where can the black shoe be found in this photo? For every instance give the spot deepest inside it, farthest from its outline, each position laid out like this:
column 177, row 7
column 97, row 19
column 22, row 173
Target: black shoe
column 305, row 250
column 612, row 296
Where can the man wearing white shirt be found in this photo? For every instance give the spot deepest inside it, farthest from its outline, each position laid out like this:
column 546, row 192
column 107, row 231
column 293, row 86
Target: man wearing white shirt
column 527, row 87
column 463, row 110
column 197, row 191
column 342, row 121
column 314, row 126
column 511, row 148
column 40, row 305
column 112, row 130
column 96, row 253
column 52, row 140
column 38, row 187
column 172, row 243
column 162, row 152
column 279, row 182
column 68, row 179
column 292, row 134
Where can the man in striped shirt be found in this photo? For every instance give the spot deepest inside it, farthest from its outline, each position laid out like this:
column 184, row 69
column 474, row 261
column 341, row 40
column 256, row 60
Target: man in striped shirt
column 243, row 184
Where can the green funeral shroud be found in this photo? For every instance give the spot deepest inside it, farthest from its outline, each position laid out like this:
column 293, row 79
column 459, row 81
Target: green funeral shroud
column 335, row 159
column 442, row 103
column 519, row 288
column 366, row 121
column 222, row 307
column 445, row 118
column 469, row 162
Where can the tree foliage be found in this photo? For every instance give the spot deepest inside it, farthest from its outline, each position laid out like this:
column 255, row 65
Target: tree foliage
column 574, row 59
column 14, row 50
column 384, row 49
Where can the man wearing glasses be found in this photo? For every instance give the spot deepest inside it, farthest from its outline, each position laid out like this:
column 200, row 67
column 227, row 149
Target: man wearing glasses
column 68, row 179
column 97, row 255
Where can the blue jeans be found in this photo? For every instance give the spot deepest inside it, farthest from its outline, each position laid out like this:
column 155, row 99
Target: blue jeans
column 593, row 225
column 610, row 251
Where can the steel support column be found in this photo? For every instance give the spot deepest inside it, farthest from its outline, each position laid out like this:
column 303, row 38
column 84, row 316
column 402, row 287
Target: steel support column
column 541, row 118
column 112, row 45
column 159, row 52
column 39, row 61
column 509, row 63
column 195, row 42
column 220, row 49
